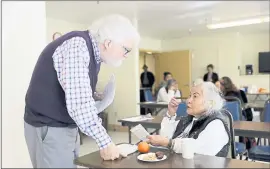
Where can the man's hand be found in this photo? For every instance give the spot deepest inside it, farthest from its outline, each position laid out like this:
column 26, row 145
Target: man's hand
column 173, row 105
column 98, row 96
column 158, row 140
column 111, row 152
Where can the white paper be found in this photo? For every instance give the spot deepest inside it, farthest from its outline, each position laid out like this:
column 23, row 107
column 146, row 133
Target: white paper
column 138, row 118
column 127, row 148
column 108, row 95
column 140, row 132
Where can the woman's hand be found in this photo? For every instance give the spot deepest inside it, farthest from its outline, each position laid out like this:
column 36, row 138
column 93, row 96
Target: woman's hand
column 173, row 106
column 158, row 140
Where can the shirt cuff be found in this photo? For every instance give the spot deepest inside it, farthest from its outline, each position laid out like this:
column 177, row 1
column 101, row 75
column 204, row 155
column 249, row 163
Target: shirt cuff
column 103, row 140
column 170, row 117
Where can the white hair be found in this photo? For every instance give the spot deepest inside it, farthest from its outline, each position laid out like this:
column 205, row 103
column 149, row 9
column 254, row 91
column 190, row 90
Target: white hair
column 114, row 27
column 213, row 99
column 197, row 82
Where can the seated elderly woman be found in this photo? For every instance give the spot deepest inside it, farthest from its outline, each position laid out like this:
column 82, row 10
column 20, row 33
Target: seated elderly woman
column 205, row 123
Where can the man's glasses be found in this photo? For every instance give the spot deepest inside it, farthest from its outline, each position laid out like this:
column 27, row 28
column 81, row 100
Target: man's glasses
column 127, row 50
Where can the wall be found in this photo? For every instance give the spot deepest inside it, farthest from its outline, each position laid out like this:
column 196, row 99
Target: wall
column 150, row 44
column 57, row 25
column 226, row 52
column 24, row 36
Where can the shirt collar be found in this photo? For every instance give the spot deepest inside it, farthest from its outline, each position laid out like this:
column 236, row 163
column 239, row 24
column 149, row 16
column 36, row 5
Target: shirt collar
column 95, row 48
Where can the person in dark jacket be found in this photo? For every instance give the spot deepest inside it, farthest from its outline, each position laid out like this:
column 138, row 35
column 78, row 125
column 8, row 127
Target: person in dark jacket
column 210, row 76
column 229, row 89
column 147, row 78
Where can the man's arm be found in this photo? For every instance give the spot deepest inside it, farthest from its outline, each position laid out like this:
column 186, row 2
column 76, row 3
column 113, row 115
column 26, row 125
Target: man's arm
column 215, row 77
column 205, row 77
column 153, row 78
column 141, row 78
column 71, row 61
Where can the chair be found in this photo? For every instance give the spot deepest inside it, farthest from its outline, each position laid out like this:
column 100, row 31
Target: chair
column 182, row 109
column 240, row 107
column 148, row 95
column 266, row 112
column 260, row 152
column 234, row 109
column 229, row 120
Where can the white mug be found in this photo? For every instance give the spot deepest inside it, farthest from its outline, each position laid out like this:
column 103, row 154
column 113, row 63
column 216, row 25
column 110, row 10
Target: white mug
column 188, row 148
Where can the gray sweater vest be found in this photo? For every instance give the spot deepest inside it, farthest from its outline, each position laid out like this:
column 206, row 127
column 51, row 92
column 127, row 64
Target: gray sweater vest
column 199, row 125
column 45, row 98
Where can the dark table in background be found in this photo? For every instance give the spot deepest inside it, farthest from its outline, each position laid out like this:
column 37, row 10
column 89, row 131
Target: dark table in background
column 252, row 129
column 241, row 128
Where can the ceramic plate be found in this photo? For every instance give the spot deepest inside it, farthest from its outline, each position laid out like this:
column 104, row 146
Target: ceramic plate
column 143, row 157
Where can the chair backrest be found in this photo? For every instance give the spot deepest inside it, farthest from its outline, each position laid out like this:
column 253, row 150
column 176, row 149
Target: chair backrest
column 266, row 111
column 241, row 105
column 234, row 108
column 182, row 109
column 148, row 95
column 229, row 120
column 232, row 99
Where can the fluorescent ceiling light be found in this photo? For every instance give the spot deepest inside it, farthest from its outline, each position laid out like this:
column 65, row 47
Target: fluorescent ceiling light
column 238, row 23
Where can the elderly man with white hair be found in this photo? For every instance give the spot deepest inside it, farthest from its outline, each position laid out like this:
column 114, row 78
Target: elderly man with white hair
column 60, row 97
column 204, row 123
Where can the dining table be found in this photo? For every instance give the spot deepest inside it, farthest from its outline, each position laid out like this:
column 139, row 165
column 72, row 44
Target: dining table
column 173, row 160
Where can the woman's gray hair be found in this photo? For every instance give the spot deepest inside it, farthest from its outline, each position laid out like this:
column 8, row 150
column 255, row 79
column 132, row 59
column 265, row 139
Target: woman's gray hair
column 197, row 81
column 213, row 99
column 170, row 82
column 114, row 27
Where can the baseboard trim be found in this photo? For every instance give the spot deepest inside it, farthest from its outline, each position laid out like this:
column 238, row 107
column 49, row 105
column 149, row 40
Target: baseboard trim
column 117, row 127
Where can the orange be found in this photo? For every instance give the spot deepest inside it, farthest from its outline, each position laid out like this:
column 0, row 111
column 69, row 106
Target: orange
column 143, row 147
